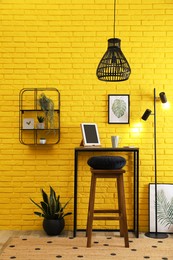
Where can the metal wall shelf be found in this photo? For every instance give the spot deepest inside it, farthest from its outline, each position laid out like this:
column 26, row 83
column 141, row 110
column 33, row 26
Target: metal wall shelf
column 29, row 109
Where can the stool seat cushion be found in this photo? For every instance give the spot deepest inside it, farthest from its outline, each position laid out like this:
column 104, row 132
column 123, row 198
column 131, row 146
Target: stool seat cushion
column 106, row 162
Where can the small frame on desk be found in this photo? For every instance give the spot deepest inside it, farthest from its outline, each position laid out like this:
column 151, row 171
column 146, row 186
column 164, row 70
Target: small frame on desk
column 118, row 109
column 90, row 134
column 164, row 207
column 28, row 123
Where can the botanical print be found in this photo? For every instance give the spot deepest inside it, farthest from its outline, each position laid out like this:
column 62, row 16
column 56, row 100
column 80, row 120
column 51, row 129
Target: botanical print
column 164, row 208
column 119, row 109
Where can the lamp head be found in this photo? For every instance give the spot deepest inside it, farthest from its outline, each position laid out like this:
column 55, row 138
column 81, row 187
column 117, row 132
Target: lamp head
column 163, row 97
column 113, row 65
column 146, row 114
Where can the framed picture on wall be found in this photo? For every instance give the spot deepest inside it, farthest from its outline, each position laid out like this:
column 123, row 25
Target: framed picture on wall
column 118, row 109
column 164, row 208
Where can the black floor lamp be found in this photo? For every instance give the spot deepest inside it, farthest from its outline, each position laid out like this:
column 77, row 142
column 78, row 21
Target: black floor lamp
column 146, row 114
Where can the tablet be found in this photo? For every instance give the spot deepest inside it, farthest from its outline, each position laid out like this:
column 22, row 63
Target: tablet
column 90, row 134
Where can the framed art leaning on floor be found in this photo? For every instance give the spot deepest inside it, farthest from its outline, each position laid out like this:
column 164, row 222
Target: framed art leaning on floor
column 164, row 208
column 118, row 109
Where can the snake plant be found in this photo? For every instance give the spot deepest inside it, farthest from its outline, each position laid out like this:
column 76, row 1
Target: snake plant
column 50, row 206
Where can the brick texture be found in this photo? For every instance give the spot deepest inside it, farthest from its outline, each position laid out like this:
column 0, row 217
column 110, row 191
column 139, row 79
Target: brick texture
column 53, row 43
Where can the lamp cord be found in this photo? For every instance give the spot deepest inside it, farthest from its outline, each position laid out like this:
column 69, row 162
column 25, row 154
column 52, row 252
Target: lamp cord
column 114, row 18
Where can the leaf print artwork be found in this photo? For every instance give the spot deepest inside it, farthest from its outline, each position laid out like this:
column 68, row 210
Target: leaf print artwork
column 119, row 107
column 164, row 209
column 164, row 202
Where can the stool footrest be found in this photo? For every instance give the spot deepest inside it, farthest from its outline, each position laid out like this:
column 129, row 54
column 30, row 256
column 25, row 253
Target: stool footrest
column 106, row 218
column 106, row 211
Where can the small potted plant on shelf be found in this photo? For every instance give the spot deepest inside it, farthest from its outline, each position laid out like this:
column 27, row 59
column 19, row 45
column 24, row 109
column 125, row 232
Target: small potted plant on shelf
column 42, row 140
column 52, row 211
column 40, row 124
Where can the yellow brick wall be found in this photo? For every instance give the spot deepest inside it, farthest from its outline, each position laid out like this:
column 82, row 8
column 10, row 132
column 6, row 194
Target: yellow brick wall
column 53, row 43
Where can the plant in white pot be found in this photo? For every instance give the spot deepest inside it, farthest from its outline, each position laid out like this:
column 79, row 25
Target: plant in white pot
column 40, row 124
column 52, row 211
column 42, row 140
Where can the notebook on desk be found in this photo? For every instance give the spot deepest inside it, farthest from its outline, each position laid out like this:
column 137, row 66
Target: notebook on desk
column 90, row 135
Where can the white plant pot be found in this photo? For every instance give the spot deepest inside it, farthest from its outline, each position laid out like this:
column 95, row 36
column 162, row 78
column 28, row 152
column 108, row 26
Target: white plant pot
column 40, row 125
column 42, row 141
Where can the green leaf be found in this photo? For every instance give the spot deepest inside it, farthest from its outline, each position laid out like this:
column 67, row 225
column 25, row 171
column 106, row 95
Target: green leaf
column 45, row 197
column 45, row 207
column 36, row 204
column 38, row 214
column 119, row 107
column 52, row 201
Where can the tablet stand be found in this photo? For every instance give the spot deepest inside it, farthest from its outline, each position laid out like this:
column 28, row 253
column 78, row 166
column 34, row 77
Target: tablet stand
column 81, row 143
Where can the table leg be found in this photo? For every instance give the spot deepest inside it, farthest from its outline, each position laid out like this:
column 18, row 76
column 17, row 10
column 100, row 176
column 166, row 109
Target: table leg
column 75, row 194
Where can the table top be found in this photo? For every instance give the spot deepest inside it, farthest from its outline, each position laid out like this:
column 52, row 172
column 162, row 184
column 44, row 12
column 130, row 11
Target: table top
column 96, row 148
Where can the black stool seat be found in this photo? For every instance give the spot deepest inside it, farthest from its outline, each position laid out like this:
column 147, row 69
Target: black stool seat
column 106, row 162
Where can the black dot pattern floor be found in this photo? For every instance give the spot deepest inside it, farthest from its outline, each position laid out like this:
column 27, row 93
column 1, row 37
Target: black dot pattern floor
column 49, row 248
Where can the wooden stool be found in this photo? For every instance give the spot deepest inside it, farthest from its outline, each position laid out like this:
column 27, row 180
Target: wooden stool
column 118, row 175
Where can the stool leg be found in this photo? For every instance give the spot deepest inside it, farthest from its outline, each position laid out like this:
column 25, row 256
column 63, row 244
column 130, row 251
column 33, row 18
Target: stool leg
column 119, row 191
column 91, row 210
column 122, row 208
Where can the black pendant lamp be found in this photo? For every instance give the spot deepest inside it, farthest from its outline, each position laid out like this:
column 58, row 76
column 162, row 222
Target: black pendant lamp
column 113, row 66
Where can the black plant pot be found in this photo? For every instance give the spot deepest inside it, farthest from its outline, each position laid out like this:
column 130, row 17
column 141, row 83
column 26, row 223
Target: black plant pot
column 53, row 227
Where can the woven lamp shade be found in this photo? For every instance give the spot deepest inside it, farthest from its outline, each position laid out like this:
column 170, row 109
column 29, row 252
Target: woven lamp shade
column 113, row 66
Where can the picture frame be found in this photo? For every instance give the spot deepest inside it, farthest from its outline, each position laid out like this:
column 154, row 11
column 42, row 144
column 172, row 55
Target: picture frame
column 164, row 207
column 28, row 123
column 118, row 109
column 90, row 134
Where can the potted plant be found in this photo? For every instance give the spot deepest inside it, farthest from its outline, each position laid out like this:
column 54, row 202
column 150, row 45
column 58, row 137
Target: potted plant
column 47, row 105
column 42, row 140
column 40, row 124
column 52, row 211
